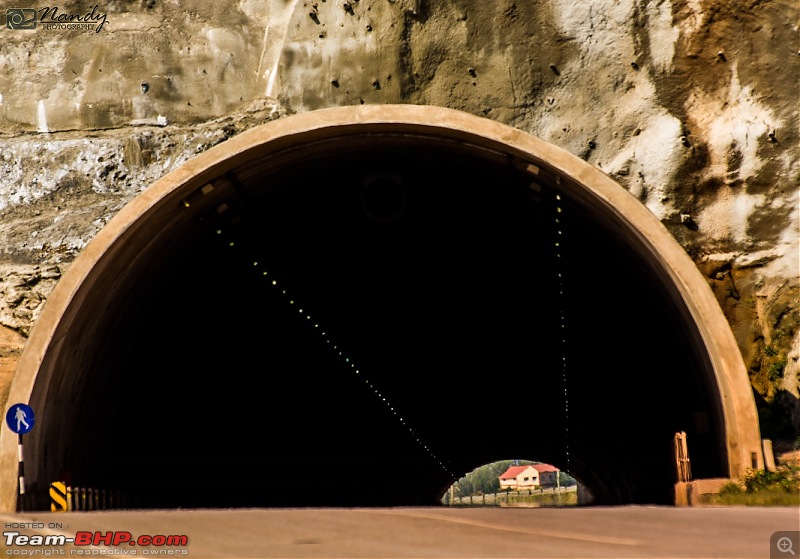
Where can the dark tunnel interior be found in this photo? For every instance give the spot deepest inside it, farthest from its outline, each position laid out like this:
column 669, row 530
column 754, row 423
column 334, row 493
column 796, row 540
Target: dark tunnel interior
column 431, row 311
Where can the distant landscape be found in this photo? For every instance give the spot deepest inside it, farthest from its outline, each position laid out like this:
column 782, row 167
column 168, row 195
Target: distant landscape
column 481, row 487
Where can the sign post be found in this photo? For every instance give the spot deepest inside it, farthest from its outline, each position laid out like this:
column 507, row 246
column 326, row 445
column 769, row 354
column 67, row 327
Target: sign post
column 19, row 419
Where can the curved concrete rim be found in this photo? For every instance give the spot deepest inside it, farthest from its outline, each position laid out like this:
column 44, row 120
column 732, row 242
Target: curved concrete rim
column 741, row 429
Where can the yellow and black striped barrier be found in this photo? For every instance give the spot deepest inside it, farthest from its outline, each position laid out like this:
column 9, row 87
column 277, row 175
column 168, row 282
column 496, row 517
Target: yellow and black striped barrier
column 58, row 496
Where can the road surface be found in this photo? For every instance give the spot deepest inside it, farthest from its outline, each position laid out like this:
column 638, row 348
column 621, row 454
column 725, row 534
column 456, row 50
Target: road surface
column 602, row 532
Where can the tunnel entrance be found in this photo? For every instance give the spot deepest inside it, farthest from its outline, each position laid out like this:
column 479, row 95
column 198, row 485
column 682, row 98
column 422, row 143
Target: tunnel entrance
column 450, row 309
column 361, row 319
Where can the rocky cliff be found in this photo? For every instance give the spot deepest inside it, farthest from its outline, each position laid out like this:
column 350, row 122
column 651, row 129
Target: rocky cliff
column 691, row 105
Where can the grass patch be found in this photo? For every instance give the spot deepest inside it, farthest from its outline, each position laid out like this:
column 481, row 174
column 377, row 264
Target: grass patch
column 769, row 498
column 562, row 499
column 761, row 488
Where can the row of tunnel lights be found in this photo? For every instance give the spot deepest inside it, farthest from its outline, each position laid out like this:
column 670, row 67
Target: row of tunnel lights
column 382, row 398
column 348, row 362
column 563, row 324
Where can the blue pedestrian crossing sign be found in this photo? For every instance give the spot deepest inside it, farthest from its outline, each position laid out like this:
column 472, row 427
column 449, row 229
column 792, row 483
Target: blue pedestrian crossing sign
column 20, row 418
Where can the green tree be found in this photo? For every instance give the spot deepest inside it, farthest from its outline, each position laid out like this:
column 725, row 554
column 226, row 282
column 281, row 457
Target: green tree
column 566, row 480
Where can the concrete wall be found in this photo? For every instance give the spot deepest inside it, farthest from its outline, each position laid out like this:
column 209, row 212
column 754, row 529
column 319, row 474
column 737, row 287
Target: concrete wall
column 691, row 105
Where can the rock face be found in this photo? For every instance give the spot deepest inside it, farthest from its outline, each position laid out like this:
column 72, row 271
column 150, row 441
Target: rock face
column 691, row 105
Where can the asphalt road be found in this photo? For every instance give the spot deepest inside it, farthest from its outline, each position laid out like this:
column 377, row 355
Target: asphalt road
column 613, row 532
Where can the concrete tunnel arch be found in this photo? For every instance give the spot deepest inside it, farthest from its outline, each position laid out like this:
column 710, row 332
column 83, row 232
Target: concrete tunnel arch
column 51, row 373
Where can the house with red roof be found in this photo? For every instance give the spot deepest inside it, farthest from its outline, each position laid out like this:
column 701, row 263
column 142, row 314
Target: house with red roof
column 531, row 476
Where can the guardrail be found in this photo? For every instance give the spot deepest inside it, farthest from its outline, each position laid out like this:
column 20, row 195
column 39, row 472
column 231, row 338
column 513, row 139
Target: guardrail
column 87, row 498
column 59, row 497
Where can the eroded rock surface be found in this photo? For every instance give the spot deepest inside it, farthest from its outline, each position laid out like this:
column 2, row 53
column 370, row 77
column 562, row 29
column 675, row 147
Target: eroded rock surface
column 691, row 105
